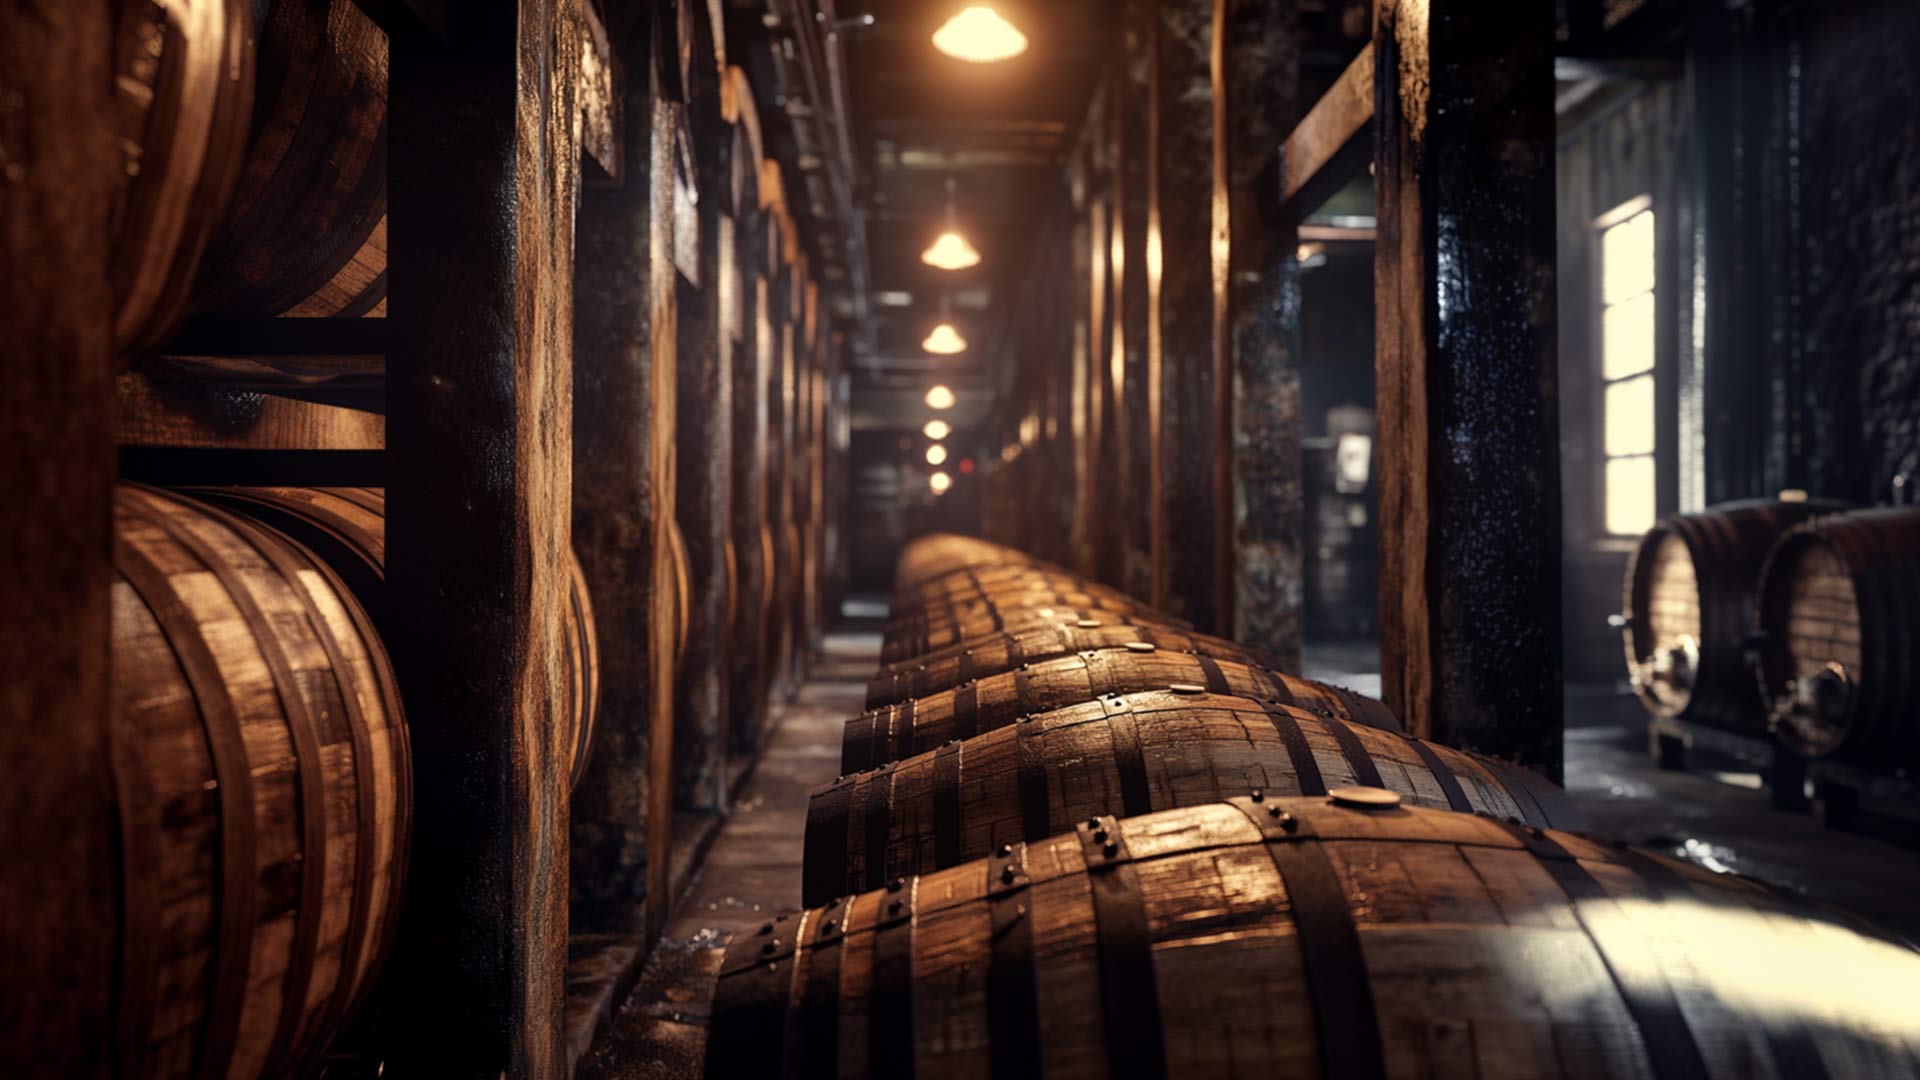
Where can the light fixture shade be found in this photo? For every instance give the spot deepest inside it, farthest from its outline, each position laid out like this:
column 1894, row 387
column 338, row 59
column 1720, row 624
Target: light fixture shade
column 940, row 398
column 979, row 35
column 936, row 454
column 937, row 429
column 951, row 252
column 939, row 482
column 944, row 341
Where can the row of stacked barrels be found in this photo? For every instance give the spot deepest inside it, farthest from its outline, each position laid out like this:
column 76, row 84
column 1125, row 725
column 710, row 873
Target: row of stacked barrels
column 1789, row 618
column 261, row 771
column 1075, row 837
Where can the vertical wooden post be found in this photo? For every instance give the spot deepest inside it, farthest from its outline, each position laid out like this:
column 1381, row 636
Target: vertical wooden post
column 479, row 417
column 1465, row 368
column 624, row 352
column 705, row 421
column 59, row 170
column 1259, row 506
column 1137, row 413
column 752, row 362
column 1179, row 279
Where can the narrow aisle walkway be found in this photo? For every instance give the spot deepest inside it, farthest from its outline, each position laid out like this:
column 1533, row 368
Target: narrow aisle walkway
column 752, row 871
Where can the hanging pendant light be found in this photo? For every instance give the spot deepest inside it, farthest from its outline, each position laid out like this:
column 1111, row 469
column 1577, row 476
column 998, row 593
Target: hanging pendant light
column 951, row 251
column 979, row 35
column 937, row 430
column 944, row 340
column 940, row 398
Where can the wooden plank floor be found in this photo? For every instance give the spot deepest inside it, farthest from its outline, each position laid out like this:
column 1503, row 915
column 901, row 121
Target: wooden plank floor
column 751, row 872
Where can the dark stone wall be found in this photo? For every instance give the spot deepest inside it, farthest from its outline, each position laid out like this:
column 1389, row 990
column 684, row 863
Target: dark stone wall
column 1861, row 148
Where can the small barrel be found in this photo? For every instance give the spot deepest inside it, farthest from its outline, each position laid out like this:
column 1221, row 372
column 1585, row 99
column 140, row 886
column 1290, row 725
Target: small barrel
column 183, row 88
column 347, row 527
column 1338, row 937
column 260, row 762
column 944, row 614
column 1688, row 607
column 1130, row 755
column 1838, row 616
column 917, row 725
column 941, row 553
column 979, row 657
column 306, row 231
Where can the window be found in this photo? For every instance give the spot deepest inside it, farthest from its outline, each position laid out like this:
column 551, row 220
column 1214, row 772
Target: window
column 1626, row 369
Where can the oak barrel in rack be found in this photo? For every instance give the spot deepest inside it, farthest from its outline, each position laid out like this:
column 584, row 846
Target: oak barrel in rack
column 1688, row 608
column 1130, row 755
column 918, row 725
column 1839, row 624
column 347, row 527
column 183, row 88
column 1315, row 937
column 306, row 232
column 260, row 762
column 982, row 656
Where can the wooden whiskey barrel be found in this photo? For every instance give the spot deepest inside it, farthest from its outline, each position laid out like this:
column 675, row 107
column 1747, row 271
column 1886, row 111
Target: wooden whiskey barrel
column 944, row 614
column 908, row 641
column 930, row 556
column 260, row 763
column 1338, row 937
column 1130, row 755
column 1688, row 608
column 975, row 585
column 306, row 232
column 918, row 725
column 979, row 657
column 183, row 87
column 347, row 528
column 1839, row 618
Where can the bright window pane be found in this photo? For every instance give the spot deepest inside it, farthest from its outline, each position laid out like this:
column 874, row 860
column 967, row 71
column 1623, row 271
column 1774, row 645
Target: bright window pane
column 1629, row 408
column 1630, row 495
column 1626, row 258
column 1626, row 338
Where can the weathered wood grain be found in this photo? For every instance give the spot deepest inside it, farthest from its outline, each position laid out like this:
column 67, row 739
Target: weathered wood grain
column 1129, row 755
column 917, row 725
column 1468, row 446
column 480, row 398
column 60, row 175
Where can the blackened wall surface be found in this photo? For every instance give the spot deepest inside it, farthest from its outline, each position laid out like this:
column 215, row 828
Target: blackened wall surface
column 1861, row 150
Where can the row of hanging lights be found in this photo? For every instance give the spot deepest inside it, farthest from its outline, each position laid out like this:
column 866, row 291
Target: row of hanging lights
column 979, row 35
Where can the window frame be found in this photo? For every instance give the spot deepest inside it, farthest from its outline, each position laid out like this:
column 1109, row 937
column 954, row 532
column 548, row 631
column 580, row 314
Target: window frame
column 1598, row 380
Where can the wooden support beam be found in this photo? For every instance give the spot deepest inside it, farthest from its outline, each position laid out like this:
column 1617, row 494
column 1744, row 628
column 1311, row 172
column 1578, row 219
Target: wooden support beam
column 623, row 485
column 167, row 412
column 1185, row 380
column 1258, row 504
column 704, row 500
column 1465, row 369
column 480, row 400
column 1327, row 147
column 752, row 331
column 59, row 172
column 1136, row 412
column 603, row 122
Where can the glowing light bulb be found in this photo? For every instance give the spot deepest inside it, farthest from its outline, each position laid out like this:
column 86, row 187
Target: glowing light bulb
column 979, row 35
column 939, row 482
column 944, row 341
column 937, row 430
column 951, row 252
column 940, row 398
column 936, row 454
